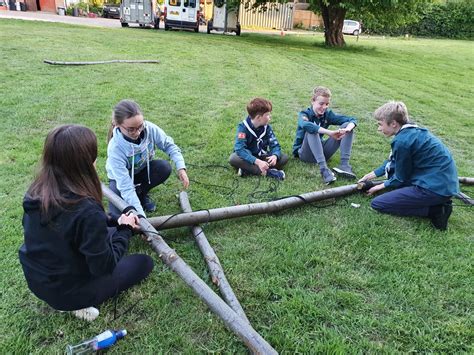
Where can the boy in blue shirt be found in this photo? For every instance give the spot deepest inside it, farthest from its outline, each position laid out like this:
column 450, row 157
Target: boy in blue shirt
column 420, row 169
column 256, row 149
column 313, row 123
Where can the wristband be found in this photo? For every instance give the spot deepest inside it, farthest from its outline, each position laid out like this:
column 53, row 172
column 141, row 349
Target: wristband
column 128, row 209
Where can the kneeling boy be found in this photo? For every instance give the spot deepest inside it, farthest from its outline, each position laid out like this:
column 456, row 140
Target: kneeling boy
column 256, row 149
column 420, row 169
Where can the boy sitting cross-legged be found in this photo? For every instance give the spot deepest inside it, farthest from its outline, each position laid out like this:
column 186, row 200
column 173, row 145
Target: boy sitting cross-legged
column 256, row 149
column 311, row 147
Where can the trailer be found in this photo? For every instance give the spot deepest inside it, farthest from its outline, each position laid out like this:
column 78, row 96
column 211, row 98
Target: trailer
column 224, row 18
column 141, row 12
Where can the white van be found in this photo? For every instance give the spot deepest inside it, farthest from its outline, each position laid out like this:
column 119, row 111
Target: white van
column 351, row 27
column 182, row 14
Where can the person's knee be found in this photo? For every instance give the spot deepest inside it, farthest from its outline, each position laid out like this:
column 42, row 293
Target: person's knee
column 143, row 265
column 148, row 264
column 160, row 170
column 165, row 168
column 282, row 160
column 379, row 204
column 234, row 160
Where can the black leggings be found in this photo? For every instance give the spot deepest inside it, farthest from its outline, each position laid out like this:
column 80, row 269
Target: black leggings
column 160, row 170
column 129, row 271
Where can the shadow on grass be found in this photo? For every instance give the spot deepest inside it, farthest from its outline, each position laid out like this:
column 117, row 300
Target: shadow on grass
column 306, row 42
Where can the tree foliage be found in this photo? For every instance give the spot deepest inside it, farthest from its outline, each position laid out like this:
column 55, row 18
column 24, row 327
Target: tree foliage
column 333, row 12
column 399, row 12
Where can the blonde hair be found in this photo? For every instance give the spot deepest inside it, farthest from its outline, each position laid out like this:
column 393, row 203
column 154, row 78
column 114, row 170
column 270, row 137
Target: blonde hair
column 392, row 111
column 320, row 91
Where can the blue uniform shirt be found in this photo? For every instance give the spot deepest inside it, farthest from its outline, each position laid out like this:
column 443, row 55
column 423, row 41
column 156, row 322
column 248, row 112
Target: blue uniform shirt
column 418, row 158
column 249, row 148
column 313, row 122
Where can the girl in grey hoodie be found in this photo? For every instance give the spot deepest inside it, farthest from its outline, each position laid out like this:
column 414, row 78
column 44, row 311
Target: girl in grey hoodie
column 131, row 169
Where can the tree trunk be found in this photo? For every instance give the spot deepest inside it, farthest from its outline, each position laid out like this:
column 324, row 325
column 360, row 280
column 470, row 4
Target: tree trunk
column 333, row 18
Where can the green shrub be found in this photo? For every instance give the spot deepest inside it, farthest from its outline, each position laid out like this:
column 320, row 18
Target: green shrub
column 452, row 19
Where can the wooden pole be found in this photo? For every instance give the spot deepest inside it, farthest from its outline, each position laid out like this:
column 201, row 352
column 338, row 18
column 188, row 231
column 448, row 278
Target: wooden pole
column 213, row 263
column 466, row 180
column 232, row 320
column 52, row 62
column 217, row 214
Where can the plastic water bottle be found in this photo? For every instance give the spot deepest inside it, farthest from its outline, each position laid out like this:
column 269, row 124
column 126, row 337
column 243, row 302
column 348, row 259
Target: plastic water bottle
column 101, row 341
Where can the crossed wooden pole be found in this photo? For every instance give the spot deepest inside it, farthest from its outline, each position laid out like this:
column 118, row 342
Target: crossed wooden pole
column 239, row 325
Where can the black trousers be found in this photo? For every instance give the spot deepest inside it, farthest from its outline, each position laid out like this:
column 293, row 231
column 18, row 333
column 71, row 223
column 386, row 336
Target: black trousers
column 129, row 271
column 160, row 170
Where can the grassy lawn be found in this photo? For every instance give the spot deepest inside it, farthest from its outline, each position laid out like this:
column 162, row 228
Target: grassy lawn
column 321, row 278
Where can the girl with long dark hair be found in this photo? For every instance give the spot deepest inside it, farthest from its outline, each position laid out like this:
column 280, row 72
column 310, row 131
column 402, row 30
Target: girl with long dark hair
column 72, row 258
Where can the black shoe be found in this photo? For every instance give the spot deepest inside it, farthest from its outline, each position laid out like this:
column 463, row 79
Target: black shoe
column 345, row 171
column 148, row 204
column 276, row 174
column 439, row 215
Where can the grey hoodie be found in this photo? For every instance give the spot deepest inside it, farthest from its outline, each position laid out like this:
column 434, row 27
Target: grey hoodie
column 125, row 159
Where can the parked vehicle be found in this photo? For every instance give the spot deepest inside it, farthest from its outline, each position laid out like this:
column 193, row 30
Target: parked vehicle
column 140, row 12
column 351, row 27
column 182, row 14
column 219, row 21
column 111, row 11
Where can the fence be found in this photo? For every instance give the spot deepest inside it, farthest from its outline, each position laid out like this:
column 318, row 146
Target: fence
column 271, row 15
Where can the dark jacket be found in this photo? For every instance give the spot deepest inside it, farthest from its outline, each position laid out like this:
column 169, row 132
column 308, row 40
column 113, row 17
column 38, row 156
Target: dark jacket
column 67, row 251
column 418, row 158
column 249, row 148
column 309, row 122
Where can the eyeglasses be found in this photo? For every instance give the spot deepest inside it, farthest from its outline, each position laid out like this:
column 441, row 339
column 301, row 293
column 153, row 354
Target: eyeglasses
column 132, row 130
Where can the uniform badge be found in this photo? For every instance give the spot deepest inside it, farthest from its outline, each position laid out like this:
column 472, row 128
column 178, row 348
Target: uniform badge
column 241, row 135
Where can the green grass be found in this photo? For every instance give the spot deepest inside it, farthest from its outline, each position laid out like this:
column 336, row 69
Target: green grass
column 321, row 278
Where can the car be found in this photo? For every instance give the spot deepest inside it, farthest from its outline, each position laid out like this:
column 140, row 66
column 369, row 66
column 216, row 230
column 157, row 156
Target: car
column 111, row 11
column 351, row 27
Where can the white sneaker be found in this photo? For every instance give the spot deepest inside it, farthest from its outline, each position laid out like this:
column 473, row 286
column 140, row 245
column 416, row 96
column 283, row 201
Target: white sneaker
column 88, row 314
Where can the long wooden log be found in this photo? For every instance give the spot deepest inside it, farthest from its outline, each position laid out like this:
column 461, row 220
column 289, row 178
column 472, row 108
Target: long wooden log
column 53, row 62
column 231, row 319
column 215, row 268
column 217, row 214
column 466, row 180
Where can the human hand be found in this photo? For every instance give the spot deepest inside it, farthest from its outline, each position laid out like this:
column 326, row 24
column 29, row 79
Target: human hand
column 368, row 176
column 183, row 176
column 344, row 131
column 130, row 220
column 262, row 165
column 272, row 160
column 376, row 188
column 337, row 135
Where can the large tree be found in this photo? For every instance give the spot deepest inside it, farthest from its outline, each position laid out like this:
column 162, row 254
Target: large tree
column 333, row 12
